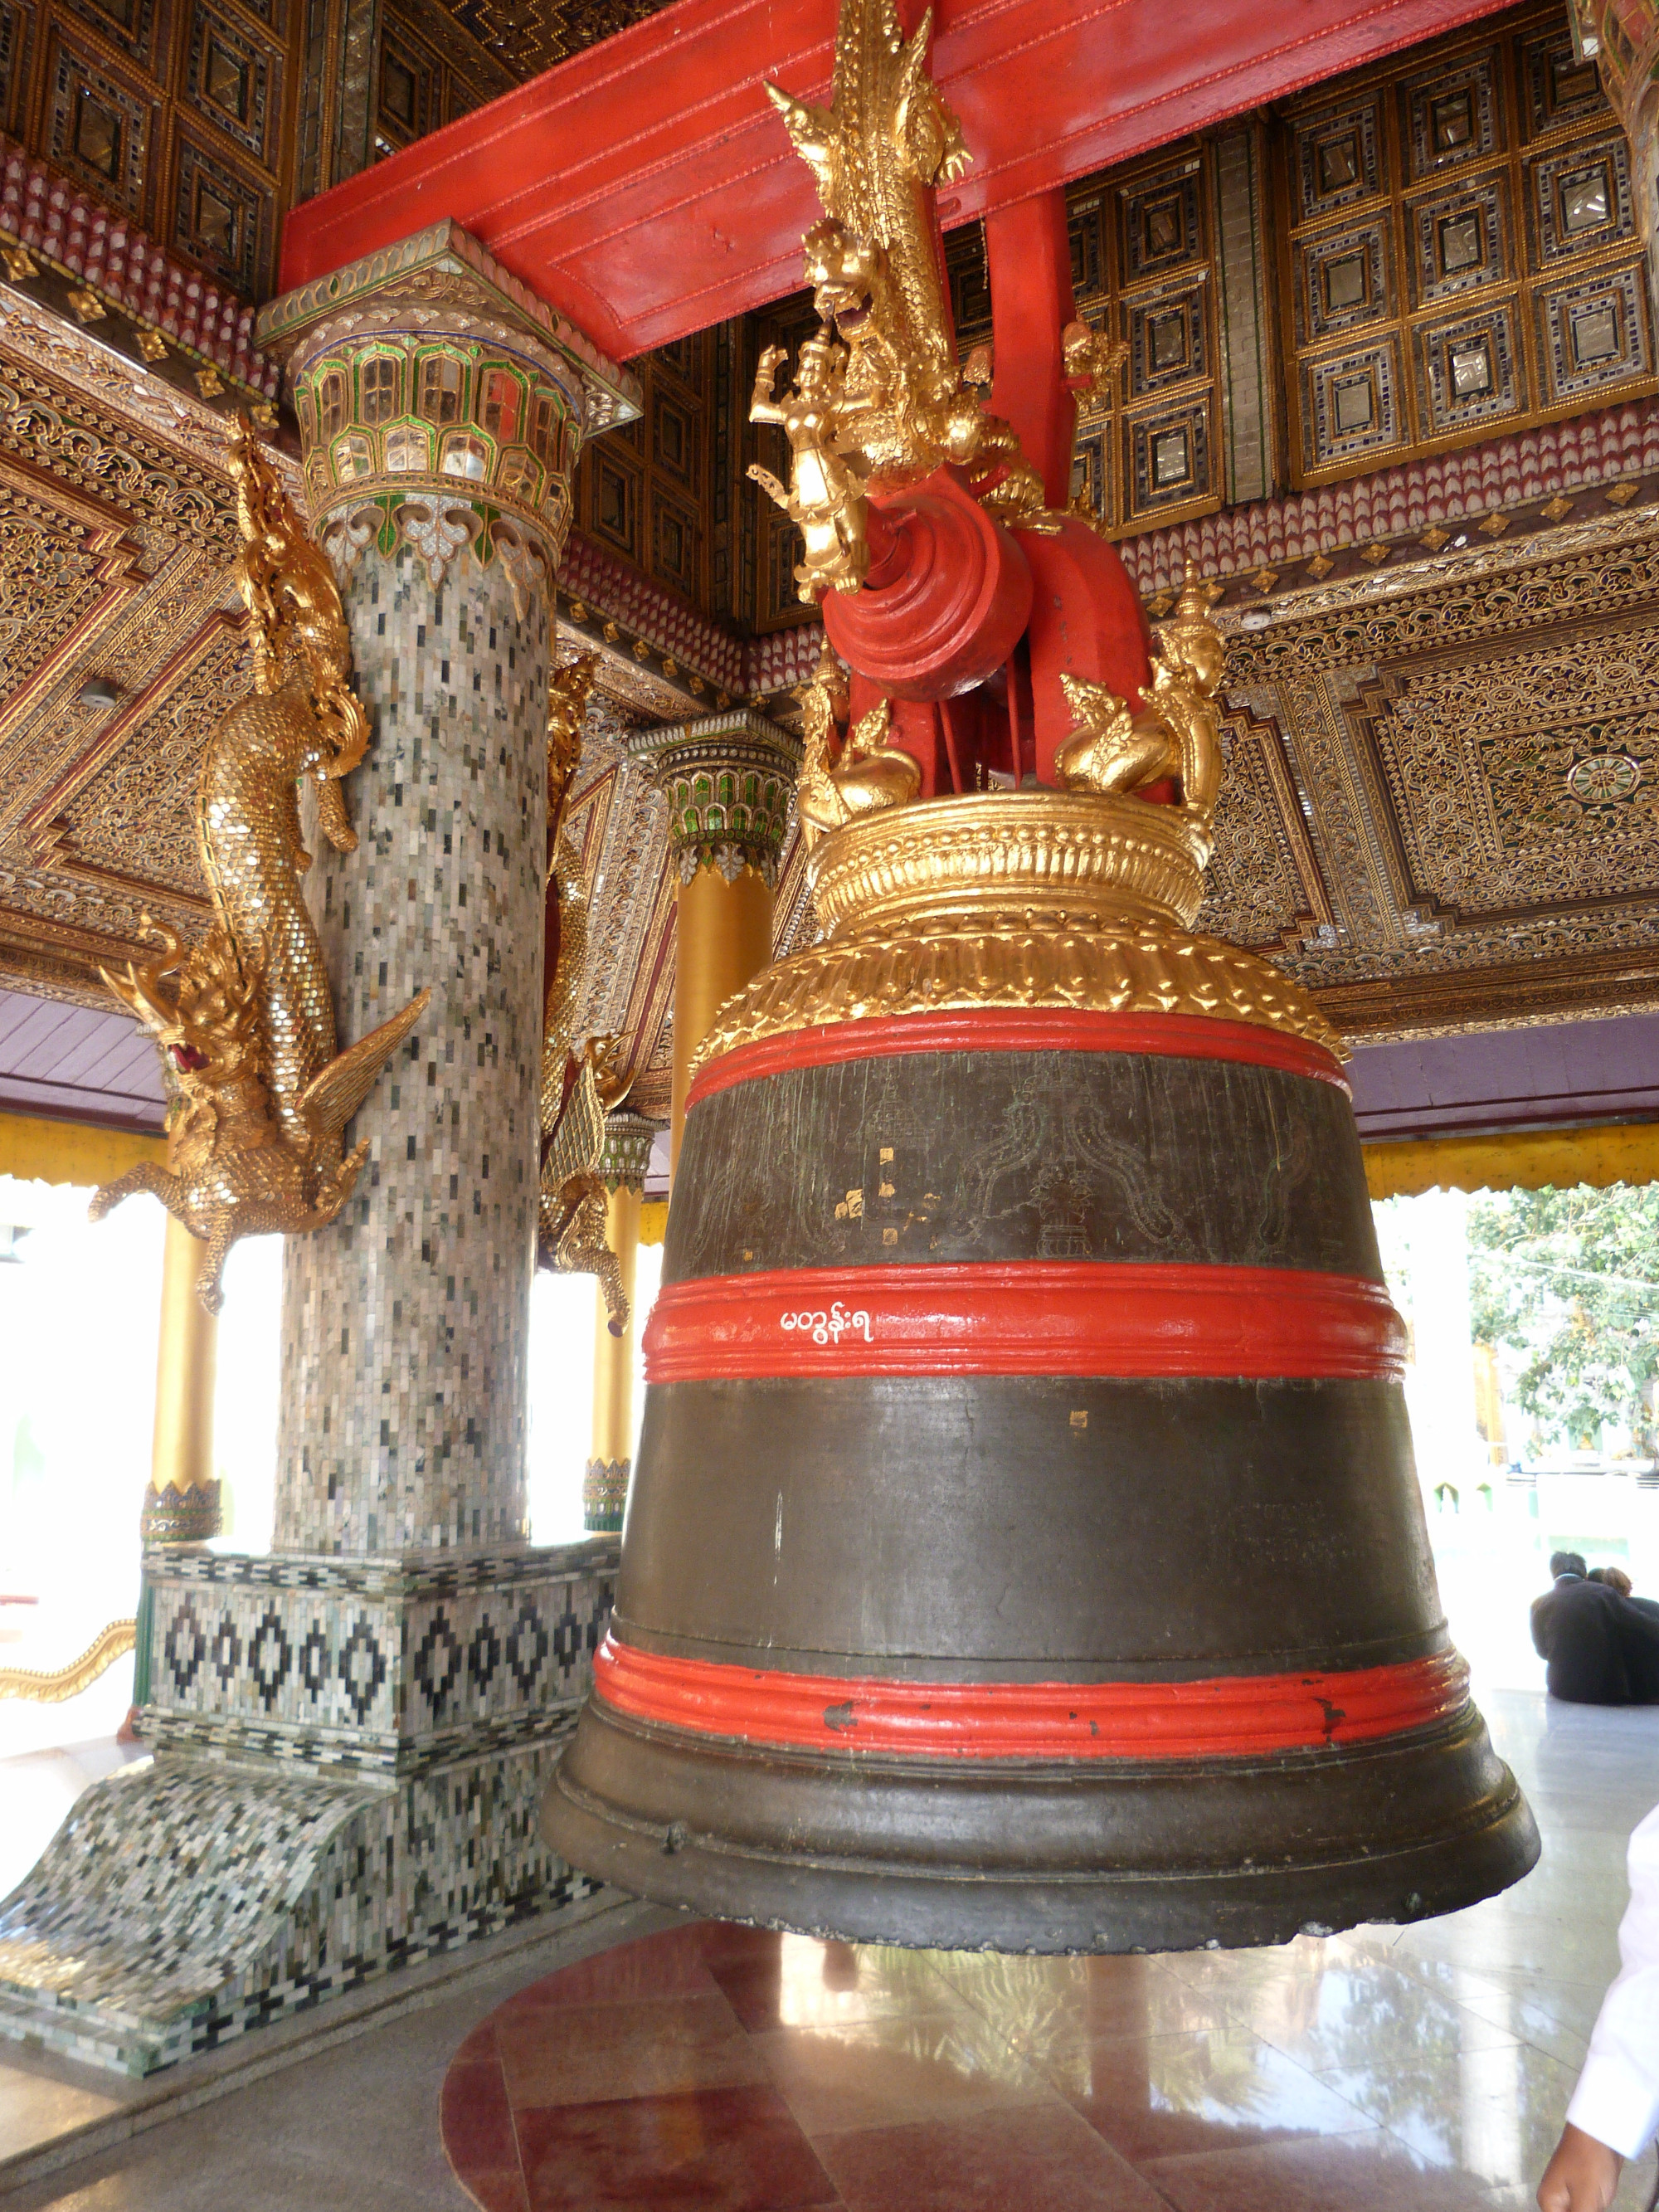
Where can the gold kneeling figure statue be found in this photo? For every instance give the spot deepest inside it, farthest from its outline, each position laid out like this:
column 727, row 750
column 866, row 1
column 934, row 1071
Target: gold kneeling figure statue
column 825, row 498
column 1177, row 730
column 858, row 773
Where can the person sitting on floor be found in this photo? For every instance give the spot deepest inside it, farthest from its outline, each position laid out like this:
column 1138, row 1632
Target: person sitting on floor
column 1601, row 1648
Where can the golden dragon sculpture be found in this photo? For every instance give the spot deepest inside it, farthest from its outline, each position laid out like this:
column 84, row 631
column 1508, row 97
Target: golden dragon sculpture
column 878, row 401
column 579, row 1085
column 245, row 1020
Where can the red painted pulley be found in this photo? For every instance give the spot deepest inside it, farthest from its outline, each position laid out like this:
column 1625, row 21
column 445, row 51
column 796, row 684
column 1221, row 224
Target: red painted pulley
column 946, row 600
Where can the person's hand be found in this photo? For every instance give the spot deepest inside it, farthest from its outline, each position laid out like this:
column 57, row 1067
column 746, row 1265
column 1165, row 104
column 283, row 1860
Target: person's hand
column 1582, row 2177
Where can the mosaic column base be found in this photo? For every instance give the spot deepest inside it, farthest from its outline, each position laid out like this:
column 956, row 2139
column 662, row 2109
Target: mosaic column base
column 349, row 1763
column 604, row 1493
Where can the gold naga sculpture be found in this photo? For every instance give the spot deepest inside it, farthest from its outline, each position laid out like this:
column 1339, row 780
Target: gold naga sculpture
column 1174, row 732
column 878, row 400
column 841, row 777
column 579, row 1086
column 245, row 1020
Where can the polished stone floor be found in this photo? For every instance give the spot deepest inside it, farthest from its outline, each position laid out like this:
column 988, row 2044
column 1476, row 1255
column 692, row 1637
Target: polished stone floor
column 712, row 2070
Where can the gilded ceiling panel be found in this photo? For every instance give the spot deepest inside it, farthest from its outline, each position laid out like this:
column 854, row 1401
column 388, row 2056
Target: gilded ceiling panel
column 116, row 529
column 1526, row 777
column 528, row 36
column 1475, row 746
column 1264, row 888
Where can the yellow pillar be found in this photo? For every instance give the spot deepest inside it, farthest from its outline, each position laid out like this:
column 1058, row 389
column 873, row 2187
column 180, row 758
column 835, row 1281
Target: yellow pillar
column 723, row 937
column 727, row 778
column 604, row 1486
column 181, row 1505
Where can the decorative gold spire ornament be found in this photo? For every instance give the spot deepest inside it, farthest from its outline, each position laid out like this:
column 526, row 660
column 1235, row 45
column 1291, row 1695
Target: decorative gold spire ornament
column 579, row 1084
column 878, row 401
column 246, row 1019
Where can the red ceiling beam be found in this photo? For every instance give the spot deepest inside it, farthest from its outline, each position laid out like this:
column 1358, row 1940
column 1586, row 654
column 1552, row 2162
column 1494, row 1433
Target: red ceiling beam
column 647, row 188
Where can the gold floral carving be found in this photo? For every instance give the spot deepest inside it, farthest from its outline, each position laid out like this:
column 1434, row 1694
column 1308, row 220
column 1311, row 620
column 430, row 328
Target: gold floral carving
column 1011, row 851
column 245, row 1020
column 937, row 965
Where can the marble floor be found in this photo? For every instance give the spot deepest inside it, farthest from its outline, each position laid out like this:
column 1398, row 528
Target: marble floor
column 700, row 2068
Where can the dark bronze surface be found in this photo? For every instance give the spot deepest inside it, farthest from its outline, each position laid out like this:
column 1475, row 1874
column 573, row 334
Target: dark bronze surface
column 1021, row 1156
column 954, row 1526
column 1029, row 1528
column 1113, row 1857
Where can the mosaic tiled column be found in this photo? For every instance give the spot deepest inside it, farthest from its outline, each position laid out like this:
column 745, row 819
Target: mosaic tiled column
column 729, row 780
column 605, row 1483
column 353, row 1735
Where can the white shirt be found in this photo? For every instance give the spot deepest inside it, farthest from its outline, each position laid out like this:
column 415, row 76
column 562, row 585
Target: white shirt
column 1617, row 2099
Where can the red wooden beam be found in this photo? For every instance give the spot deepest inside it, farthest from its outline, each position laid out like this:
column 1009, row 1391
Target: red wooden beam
column 647, row 188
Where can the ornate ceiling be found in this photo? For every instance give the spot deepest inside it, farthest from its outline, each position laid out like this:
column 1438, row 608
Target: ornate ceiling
column 1440, row 812
column 528, row 36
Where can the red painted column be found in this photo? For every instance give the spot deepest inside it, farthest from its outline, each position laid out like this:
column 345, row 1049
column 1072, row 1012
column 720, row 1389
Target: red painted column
column 1028, row 249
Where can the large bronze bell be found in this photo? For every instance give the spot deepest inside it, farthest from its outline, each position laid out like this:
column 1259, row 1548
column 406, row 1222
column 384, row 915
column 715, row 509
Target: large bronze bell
column 1026, row 1548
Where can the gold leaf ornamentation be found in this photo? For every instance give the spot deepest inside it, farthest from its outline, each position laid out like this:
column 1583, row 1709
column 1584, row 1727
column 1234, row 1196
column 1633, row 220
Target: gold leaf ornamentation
column 245, row 1020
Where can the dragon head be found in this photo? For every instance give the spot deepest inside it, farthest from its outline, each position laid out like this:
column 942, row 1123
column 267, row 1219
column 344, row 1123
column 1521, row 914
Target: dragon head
column 849, row 278
column 201, row 1005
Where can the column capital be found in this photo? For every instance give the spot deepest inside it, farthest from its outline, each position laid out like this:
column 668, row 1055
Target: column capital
column 727, row 778
column 442, row 403
column 627, row 1155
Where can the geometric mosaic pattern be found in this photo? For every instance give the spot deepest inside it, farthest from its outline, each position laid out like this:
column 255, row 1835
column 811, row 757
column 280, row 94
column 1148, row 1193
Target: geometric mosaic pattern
column 372, row 1670
column 184, row 1902
column 379, row 1451
column 279, row 1849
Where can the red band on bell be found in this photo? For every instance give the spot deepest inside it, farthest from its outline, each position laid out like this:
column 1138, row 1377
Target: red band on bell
column 1236, row 1717
column 1026, row 1317
column 1019, row 1028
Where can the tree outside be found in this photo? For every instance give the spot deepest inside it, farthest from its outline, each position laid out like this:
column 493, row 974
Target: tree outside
column 1567, row 1283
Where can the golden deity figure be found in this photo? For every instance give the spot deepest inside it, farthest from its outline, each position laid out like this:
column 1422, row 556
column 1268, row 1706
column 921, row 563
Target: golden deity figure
column 579, row 1083
column 896, row 407
column 1176, row 731
column 826, row 496
column 841, row 776
column 246, row 1018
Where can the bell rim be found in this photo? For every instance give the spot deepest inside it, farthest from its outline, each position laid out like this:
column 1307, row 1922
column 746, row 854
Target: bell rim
column 1479, row 1841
